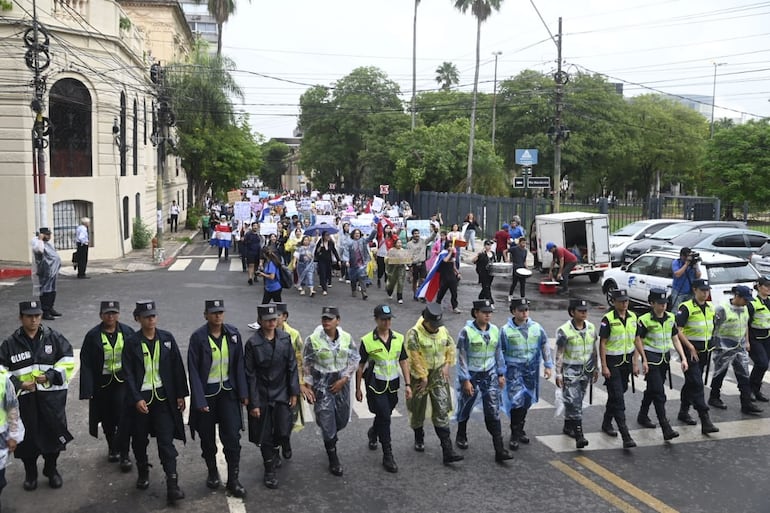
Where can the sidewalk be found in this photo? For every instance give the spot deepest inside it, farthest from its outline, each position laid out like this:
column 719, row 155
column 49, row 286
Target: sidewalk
column 135, row 260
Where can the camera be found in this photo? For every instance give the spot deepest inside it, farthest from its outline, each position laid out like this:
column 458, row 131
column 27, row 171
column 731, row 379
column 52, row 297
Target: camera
column 694, row 257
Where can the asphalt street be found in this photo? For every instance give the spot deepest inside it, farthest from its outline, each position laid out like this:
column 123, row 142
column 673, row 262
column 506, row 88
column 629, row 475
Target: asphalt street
column 694, row 473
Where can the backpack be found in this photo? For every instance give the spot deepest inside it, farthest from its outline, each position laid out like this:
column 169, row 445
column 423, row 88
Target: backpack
column 286, row 277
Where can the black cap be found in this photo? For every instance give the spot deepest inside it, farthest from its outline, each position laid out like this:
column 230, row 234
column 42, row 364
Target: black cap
column 434, row 314
column 764, row 280
column 519, row 304
column 45, row 231
column 701, row 284
column 215, row 305
column 30, row 308
column 383, row 312
column 578, row 304
column 282, row 307
column 267, row 312
column 488, row 242
column 685, row 251
column 145, row 308
column 657, row 296
column 483, row 305
column 109, row 306
column 619, row 295
column 330, row 312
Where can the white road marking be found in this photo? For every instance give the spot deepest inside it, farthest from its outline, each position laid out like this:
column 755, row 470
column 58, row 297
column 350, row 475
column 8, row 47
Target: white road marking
column 209, row 264
column 236, row 265
column 180, row 264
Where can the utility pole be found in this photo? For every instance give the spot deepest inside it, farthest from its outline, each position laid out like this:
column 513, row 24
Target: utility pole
column 164, row 119
column 38, row 59
column 414, row 65
column 494, row 100
column 714, row 96
column 558, row 133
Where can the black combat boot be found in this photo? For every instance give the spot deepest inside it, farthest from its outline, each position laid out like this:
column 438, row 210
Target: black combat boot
column 173, row 492
column 747, row 407
column 643, row 420
column 706, row 426
column 461, row 439
column 580, row 439
column 607, row 425
column 125, row 463
column 335, row 467
column 628, row 442
column 143, row 477
column 50, row 471
column 569, row 428
column 716, row 401
column 234, row 486
column 449, row 455
column 286, row 449
column 668, row 432
column 419, row 439
column 523, row 438
column 387, row 458
column 270, row 479
column 494, row 429
column 112, row 453
column 372, row 436
column 684, row 416
column 30, row 474
column 212, row 479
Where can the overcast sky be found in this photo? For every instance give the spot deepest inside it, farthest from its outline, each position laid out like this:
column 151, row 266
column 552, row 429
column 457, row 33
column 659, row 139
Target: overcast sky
column 669, row 46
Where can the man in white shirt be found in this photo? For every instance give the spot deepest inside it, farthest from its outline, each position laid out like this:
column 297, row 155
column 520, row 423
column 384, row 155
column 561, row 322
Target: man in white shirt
column 174, row 215
column 82, row 243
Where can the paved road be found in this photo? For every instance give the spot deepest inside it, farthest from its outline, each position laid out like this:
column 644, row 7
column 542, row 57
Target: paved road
column 726, row 472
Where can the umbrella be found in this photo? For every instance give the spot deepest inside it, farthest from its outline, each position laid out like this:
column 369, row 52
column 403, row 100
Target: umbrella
column 323, row 227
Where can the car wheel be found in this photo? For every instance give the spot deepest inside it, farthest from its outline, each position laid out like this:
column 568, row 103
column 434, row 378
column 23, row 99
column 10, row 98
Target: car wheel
column 609, row 286
column 595, row 277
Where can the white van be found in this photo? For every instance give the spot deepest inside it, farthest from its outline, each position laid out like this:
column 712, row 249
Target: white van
column 582, row 233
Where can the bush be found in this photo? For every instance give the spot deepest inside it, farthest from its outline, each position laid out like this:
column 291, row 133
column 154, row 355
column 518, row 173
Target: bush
column 142, row 235
column 194, row 215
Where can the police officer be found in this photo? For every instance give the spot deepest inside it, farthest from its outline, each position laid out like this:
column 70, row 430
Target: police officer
column 617, row 332
column 271, row 374
column 11, row 426
column 656, row 334
column 731, row 338
column 759, row 336
column 575, row 365
column 40, row 363
column 382, row 352
column 296, row 342
column 330, row 359
column 156, row 386
column 102, row 381
column 431, row 351
column 218, row 388
column 695, row 320
column 480, row 371
column 525, row 346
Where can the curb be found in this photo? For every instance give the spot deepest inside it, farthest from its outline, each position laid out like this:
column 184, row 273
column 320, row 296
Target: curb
column 8, row 273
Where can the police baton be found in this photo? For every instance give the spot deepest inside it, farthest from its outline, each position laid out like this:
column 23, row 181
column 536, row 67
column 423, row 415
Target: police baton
column 591, row 390
column 670, row 381
column 708, row 366
column 633, row 383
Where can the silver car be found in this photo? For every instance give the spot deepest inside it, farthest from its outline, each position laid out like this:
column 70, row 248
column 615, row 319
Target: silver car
column 633, row 232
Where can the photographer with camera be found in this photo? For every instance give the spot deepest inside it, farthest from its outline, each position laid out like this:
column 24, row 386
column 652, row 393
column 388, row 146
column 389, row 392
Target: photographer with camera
column 686, row 270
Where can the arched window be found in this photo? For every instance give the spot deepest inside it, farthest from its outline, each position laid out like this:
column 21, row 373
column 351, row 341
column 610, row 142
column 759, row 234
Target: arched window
column 126, row 218
column 70, row 114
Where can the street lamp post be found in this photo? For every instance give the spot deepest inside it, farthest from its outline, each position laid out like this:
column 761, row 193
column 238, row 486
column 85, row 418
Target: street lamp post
column 713, row 96
column 494, row 100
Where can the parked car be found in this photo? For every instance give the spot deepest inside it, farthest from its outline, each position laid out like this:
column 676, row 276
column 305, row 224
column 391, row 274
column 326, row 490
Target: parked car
column 666, row 234
column 653, row 270
column 633, row 232
column 761, row 259
column 730, row 241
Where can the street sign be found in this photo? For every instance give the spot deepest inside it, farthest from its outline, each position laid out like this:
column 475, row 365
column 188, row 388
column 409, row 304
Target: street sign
column 384, row 189
column 332, row 186
column 539, row 182
column 518, row 182
column 526, row 157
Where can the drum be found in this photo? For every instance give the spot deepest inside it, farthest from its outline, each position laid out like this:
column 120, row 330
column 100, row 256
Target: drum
column 500, row 269
column 522, row 272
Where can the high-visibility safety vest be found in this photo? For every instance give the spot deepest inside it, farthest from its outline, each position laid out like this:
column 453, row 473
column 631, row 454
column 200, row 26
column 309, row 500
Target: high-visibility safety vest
column 152, row 380
column 432, row 346
column 658, row 337
column 700, row 325
column 622, row 335
column 113, row 362
column 385, row 362
column 519, row 348
column 735, row 324
column 328, row 360
column 3, row 417
column 579, row 348
column 481, row 350
column 761, row 319
column 219, row 372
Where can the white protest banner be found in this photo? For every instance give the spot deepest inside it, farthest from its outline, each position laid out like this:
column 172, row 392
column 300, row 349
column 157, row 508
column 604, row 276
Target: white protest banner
column 319, row 219
column 242, row 210
column 347, row 199
column 419, row 224
column 290, row 206
column 363, row 222
column 305, row 204
column 249, row 193
column 268, row 228
column 393, row 212
column 326, row 197
column 323, row 206
column 377, row 204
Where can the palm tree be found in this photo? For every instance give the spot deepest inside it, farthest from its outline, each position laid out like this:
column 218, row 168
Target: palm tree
column 414, row 62
column 447, row 75
column 481, row 9
column 221, row 11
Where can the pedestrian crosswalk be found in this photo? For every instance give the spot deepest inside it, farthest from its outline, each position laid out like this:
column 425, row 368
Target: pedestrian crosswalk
column 212, row 263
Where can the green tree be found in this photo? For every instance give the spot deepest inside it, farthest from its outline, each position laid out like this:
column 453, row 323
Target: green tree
column 481, row 9
column 221, row 10
column 447, row 76
column 737, row 163
column 274, row 164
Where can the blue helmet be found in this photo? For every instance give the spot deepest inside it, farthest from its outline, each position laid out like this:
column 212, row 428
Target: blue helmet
column 550, row 246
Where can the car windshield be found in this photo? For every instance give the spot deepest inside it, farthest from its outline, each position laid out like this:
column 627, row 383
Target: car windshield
column 669, row 232
column 765, row 249
column 631, row 229
column 689, row 239
column 737, row 272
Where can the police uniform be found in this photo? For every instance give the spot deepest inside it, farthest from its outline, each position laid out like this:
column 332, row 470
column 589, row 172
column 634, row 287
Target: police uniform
column 431, row 351
column 326, row 360
column 11, row 426
column 480, row 362
column 102, row 382
column 575, row 367
column 696, row 325
column 271, row 374
column 616, row 346
column 46, row 359
column 298, row 418
column 655, row 338
column 524, row 347
column 379, row 368
column 731, row 337
column 217, row 389
column 759, row 339
column 155, row 380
